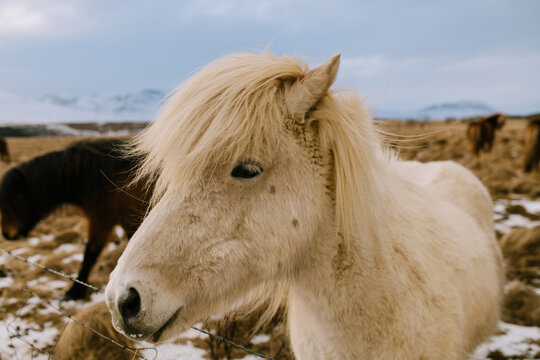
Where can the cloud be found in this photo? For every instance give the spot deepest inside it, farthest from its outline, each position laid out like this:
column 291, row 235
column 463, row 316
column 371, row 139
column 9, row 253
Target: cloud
column 499, row 64
column 40, row 18
column 267, row 11
column 231, row 9
column 363, row 66
column 507, row 81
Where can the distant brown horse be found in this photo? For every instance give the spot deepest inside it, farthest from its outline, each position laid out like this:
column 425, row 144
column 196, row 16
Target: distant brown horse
column 4, row 153
column 481, row 133
column 93, row 175
column 532, row 143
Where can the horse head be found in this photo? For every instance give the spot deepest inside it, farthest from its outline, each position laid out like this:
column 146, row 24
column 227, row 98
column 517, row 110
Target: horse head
column 16, row 205
column 243, row 191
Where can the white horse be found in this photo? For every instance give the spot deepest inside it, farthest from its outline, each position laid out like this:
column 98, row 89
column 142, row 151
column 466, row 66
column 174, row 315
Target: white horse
column 270, row 187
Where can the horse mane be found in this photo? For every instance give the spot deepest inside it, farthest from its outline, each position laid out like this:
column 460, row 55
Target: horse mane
column 233, row 107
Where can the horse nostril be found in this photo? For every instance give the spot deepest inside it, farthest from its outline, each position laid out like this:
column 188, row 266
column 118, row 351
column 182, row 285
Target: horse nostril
column 130, row 306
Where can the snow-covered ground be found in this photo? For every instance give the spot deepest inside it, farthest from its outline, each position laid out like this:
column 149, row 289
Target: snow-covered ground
column 514, row 340
column 18, row 332
column 504, row 222
column 510, row 340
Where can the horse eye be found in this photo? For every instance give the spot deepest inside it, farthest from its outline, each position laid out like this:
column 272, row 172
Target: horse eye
column 247, row 170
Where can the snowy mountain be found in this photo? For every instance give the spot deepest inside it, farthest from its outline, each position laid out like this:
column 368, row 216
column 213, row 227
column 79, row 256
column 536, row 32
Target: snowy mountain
column 454, row 110
column 461, row 109
column 141, row 106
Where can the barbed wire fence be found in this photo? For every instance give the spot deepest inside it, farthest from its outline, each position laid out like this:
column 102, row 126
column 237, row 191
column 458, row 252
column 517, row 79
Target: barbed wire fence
column 135, row 352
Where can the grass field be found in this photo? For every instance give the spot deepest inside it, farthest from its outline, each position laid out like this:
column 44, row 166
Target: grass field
column 58, row 242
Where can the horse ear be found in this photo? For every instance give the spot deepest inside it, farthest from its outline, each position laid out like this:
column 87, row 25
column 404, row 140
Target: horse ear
column 308, row 91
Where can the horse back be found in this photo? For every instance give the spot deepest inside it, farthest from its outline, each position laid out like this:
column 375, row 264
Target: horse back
column 452, row 183
column 118, row 199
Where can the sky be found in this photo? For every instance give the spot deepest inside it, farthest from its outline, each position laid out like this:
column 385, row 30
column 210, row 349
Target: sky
column 401, row 54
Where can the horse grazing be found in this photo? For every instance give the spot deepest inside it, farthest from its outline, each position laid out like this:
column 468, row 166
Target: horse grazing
column 4, row 153
column 481, row 133
column 532, row 143
column 271, row 188
column 93, row 175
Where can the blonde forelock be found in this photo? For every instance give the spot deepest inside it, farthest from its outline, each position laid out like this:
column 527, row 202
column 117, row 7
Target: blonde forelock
column 232, row 108
column 228, row 109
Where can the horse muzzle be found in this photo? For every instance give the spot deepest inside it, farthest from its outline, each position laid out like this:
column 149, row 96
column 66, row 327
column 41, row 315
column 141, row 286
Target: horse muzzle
column 127, row 316
column 11, row 234
column 130, row 316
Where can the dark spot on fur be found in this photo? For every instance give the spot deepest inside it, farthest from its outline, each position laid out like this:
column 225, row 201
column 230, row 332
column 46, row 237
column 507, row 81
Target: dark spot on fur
column 413, row 270
column 272, row 189
column 341, row 261
column 295, row 223
column 193, row 219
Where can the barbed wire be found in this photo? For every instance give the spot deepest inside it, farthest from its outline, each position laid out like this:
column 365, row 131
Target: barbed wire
column 32, row 346
column 238, row 346
column 133, row 351
column 18, row 336
column 56, row 272
column 218, row 338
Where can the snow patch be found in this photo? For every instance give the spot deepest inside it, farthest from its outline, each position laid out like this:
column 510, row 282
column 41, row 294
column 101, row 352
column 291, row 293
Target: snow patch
column 74, row 257
column 504, row 222
column 175, row 351
column 119, row 232
column 47, row 237
column 69, row 248
column 516, row 341
column 38, row 336
column 33, row 241
column 259, row 339
column 35, row 258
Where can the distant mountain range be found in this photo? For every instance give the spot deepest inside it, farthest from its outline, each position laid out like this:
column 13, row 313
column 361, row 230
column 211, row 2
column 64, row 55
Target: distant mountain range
column 135, row 107
column 142, row 107
column 454, row 110
column 462, row 109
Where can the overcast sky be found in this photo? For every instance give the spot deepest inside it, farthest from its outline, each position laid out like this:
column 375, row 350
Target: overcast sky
column 403, row 54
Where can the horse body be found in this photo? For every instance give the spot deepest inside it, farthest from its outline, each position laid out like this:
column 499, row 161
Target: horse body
column 89, row 174
column 374, row 318
column 481, row 133
column 532, row 144
column 271, row 188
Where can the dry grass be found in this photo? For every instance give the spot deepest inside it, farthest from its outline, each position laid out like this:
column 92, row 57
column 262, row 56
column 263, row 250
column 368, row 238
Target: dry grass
column 501, row 171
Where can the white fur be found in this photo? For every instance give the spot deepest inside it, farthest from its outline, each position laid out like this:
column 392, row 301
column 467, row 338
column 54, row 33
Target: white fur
column 375, row 258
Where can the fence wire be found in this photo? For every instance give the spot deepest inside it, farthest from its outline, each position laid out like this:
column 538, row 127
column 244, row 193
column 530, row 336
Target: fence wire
column 133, row 351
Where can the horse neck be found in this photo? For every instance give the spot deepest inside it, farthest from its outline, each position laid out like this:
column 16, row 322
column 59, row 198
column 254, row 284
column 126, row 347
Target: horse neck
column 494, row 121
column 338, row 273
column 55, row 179
column 328, row 297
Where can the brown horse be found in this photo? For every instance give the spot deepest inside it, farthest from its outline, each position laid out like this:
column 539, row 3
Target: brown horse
column 4, row 153
column 481, row 133
column 93, row 175
column 532, row 143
